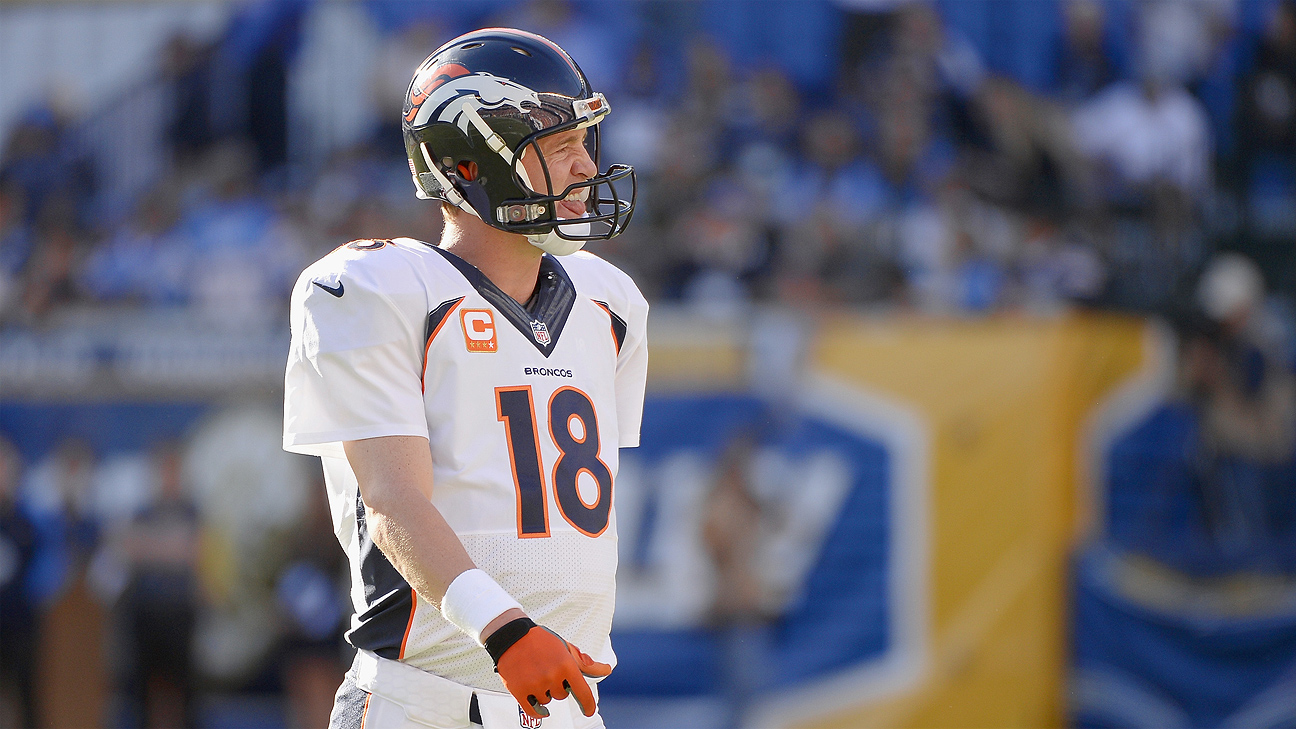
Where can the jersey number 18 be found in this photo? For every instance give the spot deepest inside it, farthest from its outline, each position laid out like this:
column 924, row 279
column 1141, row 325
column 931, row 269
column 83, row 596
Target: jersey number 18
column 573, row 426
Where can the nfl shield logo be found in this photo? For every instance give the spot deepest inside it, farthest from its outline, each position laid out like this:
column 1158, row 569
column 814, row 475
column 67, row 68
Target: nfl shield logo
column 525, row 721
column 541, row 332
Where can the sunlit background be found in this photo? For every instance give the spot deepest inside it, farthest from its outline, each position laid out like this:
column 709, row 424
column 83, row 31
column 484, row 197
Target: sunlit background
column 971, row 397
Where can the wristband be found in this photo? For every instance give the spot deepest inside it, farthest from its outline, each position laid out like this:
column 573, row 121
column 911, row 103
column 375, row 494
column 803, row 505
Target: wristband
column 473, row 600
column 506, row 635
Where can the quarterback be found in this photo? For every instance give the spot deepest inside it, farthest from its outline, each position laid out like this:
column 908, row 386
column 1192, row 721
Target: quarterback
column 468, row 399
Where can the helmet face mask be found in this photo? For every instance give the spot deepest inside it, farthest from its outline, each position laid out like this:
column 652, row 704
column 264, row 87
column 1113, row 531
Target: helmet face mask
column 484, row 100
column 606, row 215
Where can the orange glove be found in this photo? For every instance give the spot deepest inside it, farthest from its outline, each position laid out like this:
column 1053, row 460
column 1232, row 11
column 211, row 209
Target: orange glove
column 537, row 666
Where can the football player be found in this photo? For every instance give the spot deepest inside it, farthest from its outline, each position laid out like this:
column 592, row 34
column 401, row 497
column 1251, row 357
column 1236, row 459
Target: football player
column 467, row 400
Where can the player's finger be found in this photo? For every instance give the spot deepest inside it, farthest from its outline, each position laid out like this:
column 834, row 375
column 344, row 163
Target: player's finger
column 561, row 692
column 588, row 666
column 535, row 709
column 584, row 696
column 529, row 705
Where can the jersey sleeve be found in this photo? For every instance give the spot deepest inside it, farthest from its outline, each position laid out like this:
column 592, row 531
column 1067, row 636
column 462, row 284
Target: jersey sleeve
column 632, row 369
column 354, row 364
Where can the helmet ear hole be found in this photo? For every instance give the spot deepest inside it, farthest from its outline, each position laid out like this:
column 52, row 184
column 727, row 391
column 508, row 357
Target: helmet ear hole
column 468, row 170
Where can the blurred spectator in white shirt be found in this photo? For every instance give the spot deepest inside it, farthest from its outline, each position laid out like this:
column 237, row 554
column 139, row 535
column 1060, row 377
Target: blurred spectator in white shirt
column 1140, row 134
column 1154, row 131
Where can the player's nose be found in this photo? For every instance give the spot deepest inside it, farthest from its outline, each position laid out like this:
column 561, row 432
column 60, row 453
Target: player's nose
column 583, row 165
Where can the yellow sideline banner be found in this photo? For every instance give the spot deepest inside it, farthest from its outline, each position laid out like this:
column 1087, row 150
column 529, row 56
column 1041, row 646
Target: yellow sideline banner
column 1003, row 405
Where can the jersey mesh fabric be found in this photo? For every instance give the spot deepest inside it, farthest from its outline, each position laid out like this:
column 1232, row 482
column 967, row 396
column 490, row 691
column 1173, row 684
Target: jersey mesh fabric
column 564, row 582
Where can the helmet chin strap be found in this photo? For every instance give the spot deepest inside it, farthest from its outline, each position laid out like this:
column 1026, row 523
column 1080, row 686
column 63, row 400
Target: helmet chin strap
column 555, row 244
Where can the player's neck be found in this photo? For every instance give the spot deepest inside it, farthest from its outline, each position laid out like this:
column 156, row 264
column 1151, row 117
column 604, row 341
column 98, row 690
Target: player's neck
column 507, row 259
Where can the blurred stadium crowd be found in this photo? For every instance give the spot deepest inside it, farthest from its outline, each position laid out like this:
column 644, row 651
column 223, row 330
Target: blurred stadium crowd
column 953, row 158
column 879, row 154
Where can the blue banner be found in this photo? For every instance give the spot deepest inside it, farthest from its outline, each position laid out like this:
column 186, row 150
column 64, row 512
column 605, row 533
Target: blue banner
column 1154, row 647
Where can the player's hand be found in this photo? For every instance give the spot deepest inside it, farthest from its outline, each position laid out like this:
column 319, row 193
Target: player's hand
column 538, row 666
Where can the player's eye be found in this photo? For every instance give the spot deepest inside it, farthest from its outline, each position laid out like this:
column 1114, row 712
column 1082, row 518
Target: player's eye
column 575, row 139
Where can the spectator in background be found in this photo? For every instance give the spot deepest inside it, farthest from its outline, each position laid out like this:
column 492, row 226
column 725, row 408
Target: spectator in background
column 186, row 70
column 73, row 679
column 16, row 241
column 314, row 605
column 1267, row 106
column 43, row 160
column 727, row 246
column 638, row 133
column 1266, row 125
column 58, row 490
column 732, row 530
column 684, row 170
column 574, row 30
column 728, row 235
column 18, row 612
column 1150, row 133
column 142, row 261
column 1251, row 393
column 161, row 547
column 1084, row 61
column 1239, row 371
column 766, row 108
column 243, row 253
column 865, row 26
column 823, row 205
column 1185, row 36
column 49, row 278
column 639, row 137
column 930, row 78
column 1058, row 266
column 907, row 98
column 711, row 83
column 1150, row 148
column 406, row 49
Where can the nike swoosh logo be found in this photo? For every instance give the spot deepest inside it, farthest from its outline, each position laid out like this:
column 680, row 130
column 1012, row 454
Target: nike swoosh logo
column 336, row 291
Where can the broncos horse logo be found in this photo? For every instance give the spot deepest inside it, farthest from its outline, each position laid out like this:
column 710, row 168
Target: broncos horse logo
column 428, row 82
column 432, row 97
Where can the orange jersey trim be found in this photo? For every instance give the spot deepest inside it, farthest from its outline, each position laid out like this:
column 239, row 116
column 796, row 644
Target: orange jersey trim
column 432, row 336
column 409, row 625
column 616, row 342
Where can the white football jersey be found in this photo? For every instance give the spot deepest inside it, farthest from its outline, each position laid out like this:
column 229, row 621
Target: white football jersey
column 524, row 411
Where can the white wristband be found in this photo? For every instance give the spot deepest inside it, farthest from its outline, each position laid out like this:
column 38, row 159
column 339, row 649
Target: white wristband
column 473, row 600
